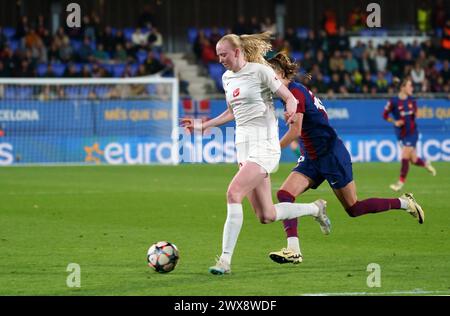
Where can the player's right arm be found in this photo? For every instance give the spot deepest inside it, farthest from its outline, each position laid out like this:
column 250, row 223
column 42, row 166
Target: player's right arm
column 294, row 132
column 387, row 111
column 225, row 117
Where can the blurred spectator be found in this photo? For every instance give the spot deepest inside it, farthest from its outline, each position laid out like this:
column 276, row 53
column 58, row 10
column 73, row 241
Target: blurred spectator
column 168, row 70
column 445, row 71
column 89, row 28
column 139, row 38
column 155, row 39
column 423, row 17
column 198, row 44
column 293, row 40
column 358, row 49
column 152, row 65
column 120, row 55
column 342, row 40
column 100, row 55
column 414, row 49
column 446, row 42
column 356, row 19
column 254, row 27
column 311, row 42
column 215, row 36
column 380, row 60
column 418, row 76
column 24, row 70
column 119, row 38
column 269, row 26
column 336, row 63
column 50, row 73
column 308, row 61
column 350, row 63
column 71, row 72
column 86, row 72
column 65, row 51
column 208, row 52
column 329, row 23
column 85, row 52
column 400, row 51
column 381, row 83
column 4, row 71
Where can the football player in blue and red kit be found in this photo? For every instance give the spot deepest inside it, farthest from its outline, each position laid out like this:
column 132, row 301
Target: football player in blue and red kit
column 403, row 109
column 325, row 158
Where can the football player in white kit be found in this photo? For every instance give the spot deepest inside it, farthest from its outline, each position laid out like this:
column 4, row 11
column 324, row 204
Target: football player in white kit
column 249, row 83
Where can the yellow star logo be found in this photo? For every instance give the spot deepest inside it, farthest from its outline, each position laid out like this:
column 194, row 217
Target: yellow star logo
column 90, row 151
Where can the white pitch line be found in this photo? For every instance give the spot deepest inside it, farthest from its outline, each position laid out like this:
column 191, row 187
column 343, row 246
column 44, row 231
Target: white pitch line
column 377, row 293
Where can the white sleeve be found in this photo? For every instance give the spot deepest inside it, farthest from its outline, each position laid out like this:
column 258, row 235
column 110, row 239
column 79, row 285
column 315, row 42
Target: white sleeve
column 269, row 78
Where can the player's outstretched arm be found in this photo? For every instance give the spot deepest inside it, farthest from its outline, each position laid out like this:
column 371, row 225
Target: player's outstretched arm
column 294, row 132
column 190, row 123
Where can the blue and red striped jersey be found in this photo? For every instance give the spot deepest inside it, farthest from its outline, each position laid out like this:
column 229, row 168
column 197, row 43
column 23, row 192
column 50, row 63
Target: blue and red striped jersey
column 317, row 134
column 405, row 110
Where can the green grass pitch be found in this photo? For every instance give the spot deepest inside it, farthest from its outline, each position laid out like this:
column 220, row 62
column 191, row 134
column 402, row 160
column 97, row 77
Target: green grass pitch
column 105, row 218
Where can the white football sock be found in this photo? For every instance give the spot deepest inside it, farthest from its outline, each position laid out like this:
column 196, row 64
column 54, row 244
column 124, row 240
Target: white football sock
column 294, row 244
column 293, row 210
column 403, row 204
column 231, row 229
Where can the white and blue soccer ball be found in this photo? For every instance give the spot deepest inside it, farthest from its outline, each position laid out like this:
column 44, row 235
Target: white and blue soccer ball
column 163, row 256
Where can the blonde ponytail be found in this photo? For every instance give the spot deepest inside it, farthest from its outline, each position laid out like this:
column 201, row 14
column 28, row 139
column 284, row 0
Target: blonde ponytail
column 253, row 46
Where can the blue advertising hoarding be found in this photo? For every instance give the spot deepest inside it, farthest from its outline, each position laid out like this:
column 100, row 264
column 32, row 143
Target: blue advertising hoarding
column 139, row 132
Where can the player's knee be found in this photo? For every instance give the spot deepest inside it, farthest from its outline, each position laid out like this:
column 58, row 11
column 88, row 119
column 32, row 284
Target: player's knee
column 234, row 196
column 263, row 219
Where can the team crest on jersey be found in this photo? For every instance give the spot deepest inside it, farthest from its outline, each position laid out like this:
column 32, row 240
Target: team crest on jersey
column 236, row 92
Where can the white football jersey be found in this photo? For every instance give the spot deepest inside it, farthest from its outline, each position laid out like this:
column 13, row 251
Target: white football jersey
column 249, row 94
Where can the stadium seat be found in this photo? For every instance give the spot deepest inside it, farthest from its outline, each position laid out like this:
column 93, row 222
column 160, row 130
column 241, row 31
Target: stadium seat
column 297, row 56
column 118, row 70
column 76, row 44
column 128, row 33
column 192, row 34
column 326, row 79
column 42, row 70
column 13, row 44
column 9, row 32
column 108, row 67
column 84, row 91
column 438, row 65
column 59, row 69
column 24, row 93
column 388, row 76
column 101, row 91
column 141, row 56
column 302, row 32
column 151, row 89
column 72, row 92
column 134, row 69
column 207, row 32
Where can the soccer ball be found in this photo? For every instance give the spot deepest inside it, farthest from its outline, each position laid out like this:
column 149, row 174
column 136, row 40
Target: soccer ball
column 162, row 256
